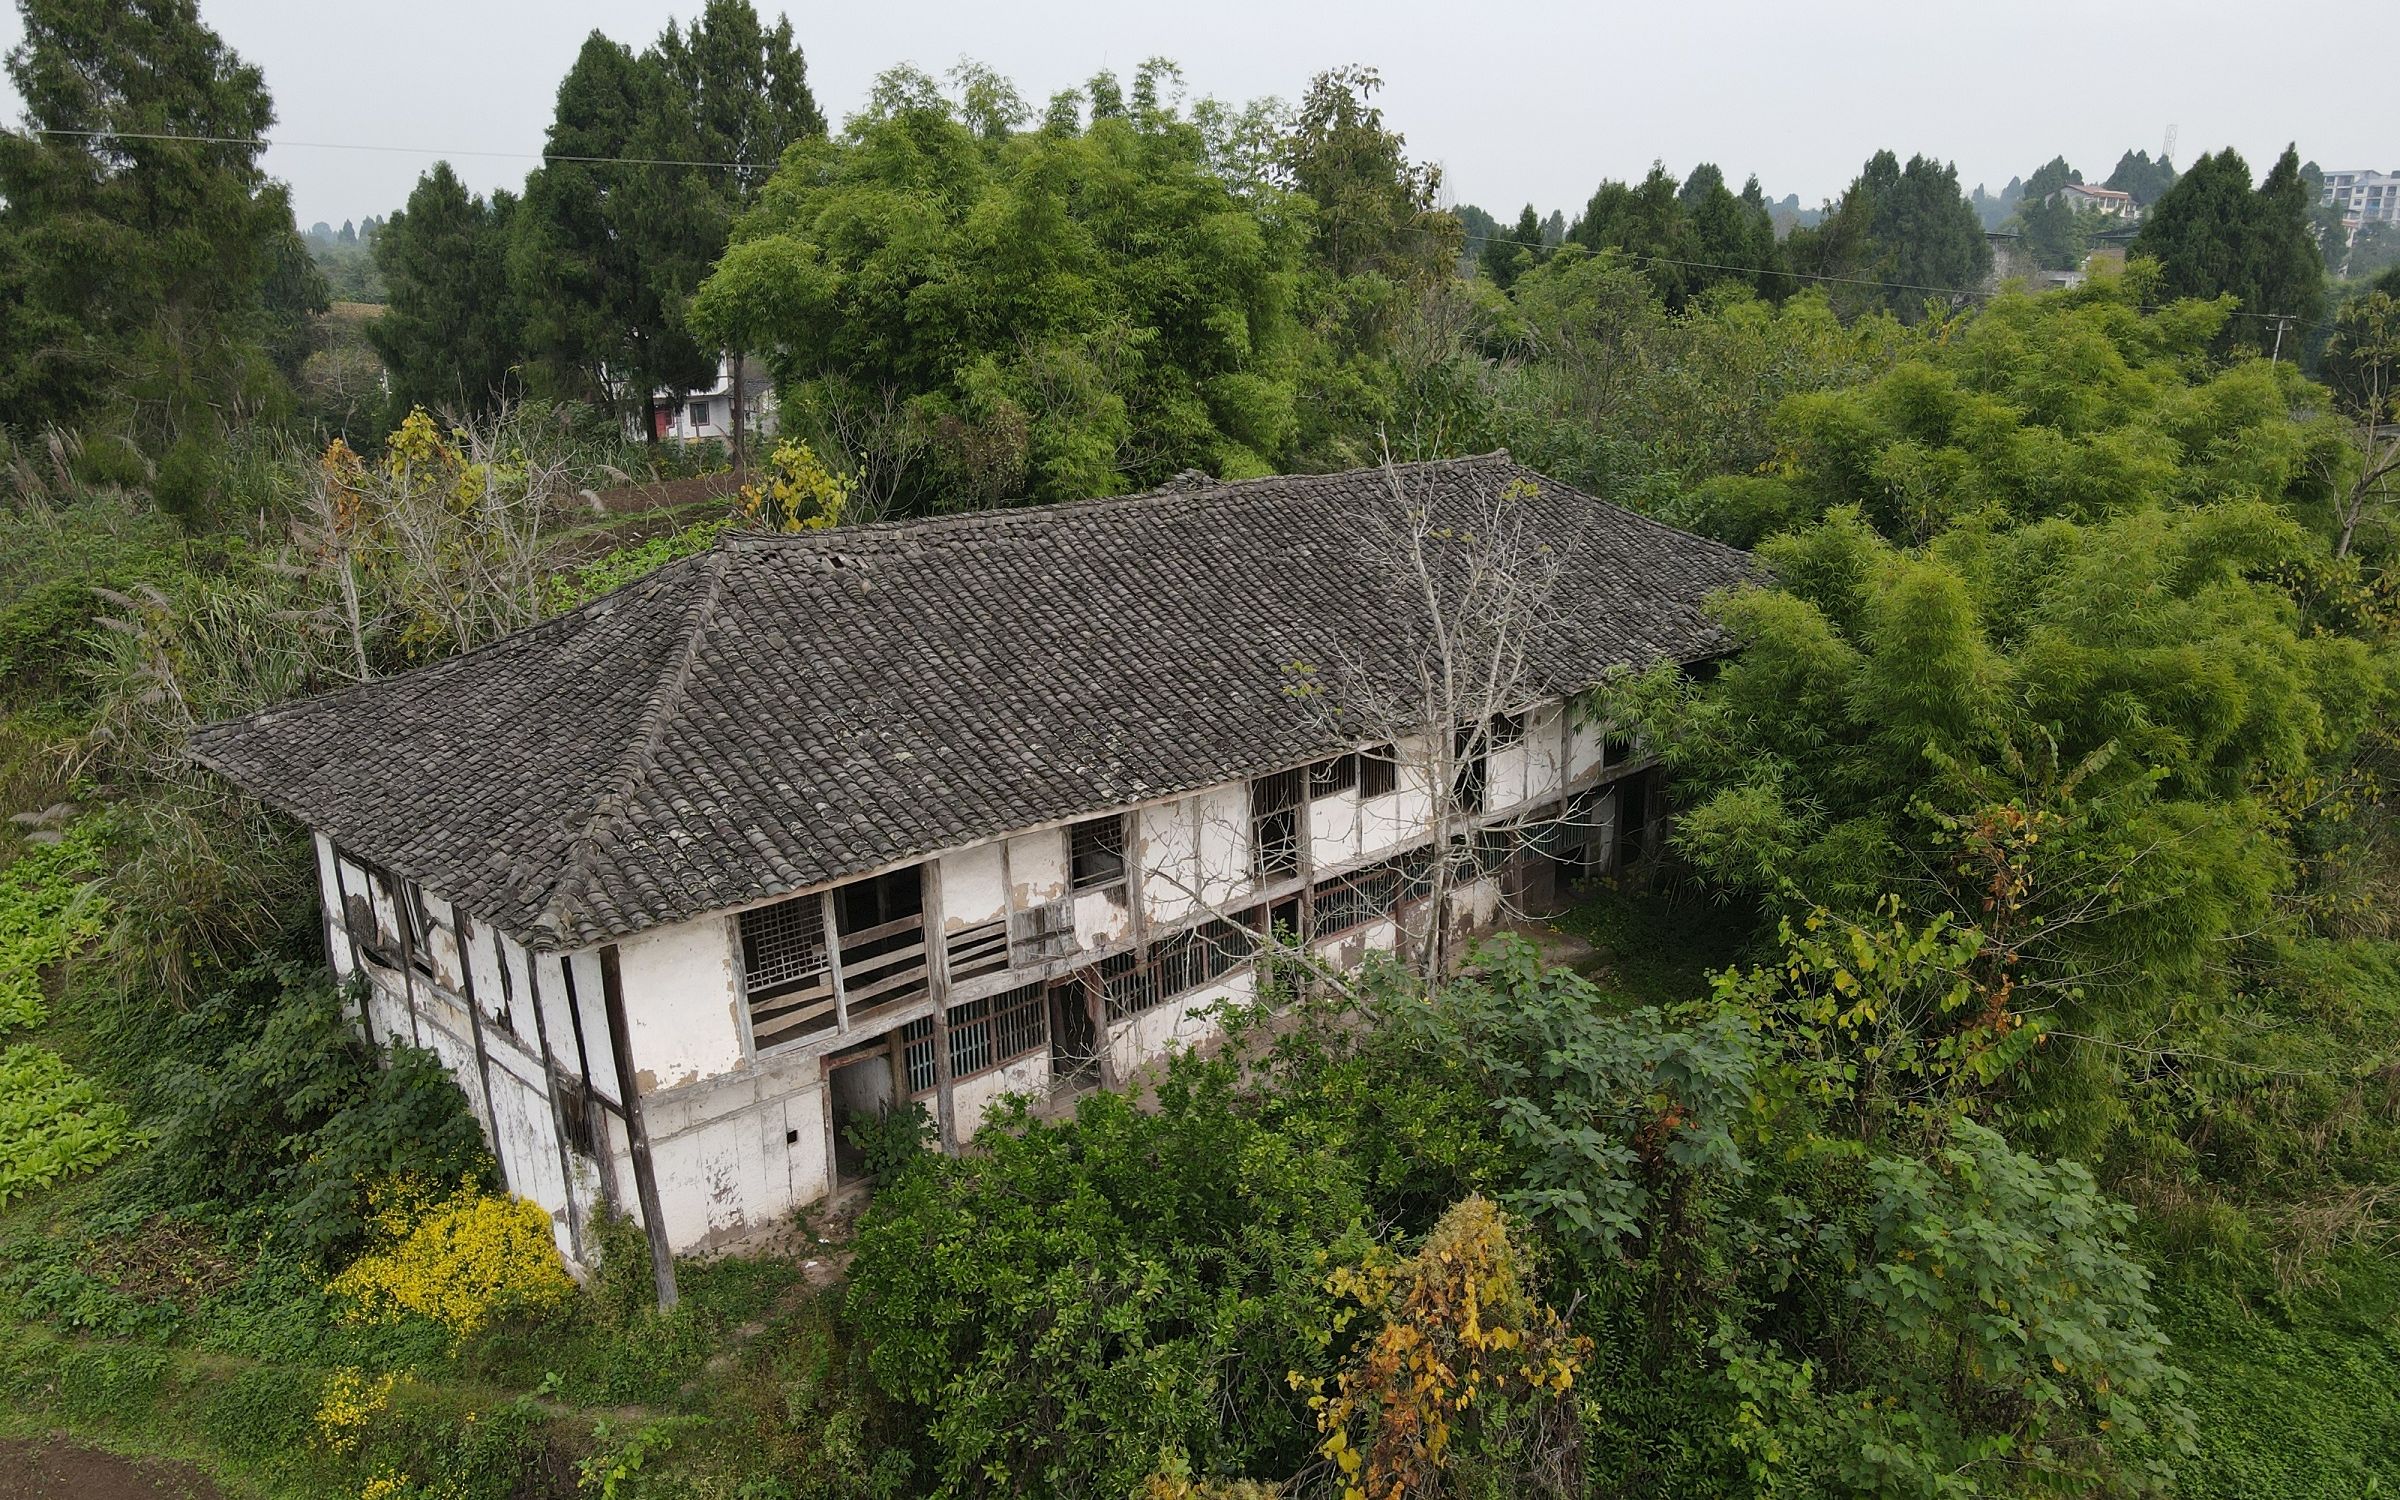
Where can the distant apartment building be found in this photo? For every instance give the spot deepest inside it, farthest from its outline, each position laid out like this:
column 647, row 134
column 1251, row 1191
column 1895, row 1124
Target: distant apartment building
column 2364, row 197
column 2085, row 198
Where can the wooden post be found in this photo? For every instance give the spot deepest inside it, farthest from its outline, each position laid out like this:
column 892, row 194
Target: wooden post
column 358, row 962
column 645, row 1178
column 833, row 963
column 558, row 1123
column 937, row 982
column 483, row 1060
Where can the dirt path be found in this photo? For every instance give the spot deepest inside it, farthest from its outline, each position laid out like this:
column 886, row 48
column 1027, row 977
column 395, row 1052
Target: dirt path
column 55, row 1469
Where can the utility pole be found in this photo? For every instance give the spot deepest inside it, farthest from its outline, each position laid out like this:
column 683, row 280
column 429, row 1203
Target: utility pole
column 2276, row 357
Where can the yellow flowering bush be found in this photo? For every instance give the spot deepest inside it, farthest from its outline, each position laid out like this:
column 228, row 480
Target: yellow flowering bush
column 1468, row 1355
column 798, row 494
column 350, row 1402
column 463, row 1261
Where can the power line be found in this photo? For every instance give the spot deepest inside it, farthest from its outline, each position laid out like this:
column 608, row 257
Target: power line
column 263, row 142
column 2282, row 320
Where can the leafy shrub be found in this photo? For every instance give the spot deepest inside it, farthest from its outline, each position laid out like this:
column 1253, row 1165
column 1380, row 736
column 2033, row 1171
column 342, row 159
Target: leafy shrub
column 48, row 910
column 186, row 482
column 890, row 1142
column 277, row 1104
column 1078, row 1298
column 463, row 1261
column 53, row 1121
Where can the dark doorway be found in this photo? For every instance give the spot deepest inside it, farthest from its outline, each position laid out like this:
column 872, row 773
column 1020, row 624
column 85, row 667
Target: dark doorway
column 861, row 1084
column 1074, row 1040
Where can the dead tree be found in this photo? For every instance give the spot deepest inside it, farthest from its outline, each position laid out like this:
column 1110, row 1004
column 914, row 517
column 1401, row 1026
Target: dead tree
column 1473, row 591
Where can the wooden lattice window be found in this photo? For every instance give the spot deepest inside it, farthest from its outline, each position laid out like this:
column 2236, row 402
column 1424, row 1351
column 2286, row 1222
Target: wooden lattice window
column 783, row 946
column 1378, row 771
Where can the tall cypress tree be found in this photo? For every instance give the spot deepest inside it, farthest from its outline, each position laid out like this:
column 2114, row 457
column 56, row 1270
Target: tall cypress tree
column 449, row 335
column 2212, row 235
column 584, row 299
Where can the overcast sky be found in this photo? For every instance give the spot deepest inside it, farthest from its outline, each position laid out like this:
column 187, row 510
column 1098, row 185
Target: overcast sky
column 1518, row 101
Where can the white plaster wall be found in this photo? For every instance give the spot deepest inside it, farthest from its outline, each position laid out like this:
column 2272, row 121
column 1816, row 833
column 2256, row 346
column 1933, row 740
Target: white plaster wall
column 441, row 946
column 682, row 1003
column 1504, row 776
column 1545, row 775
column 1037, row 867
column 1335, row 834
column 974, row 887
column 1476, row 903
column 1588, row 737
column 972, row 1097
column 1399, row 816
column 734, row 1155
column 1194, row 853
column 492, row 994
column 1149, row 1036
column 339, row 933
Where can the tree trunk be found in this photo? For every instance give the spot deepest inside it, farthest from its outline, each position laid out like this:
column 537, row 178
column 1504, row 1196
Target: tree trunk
column 650, row 417
column 740, row 469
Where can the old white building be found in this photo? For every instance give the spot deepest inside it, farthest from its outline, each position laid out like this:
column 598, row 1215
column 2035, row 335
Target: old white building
column 683, row 881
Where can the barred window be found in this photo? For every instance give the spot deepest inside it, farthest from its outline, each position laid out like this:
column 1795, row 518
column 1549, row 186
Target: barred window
column 1096, row 848
column 1128, row 985
column 1198, row 956
column 1378, row 770
column 1333, row 776
column 783, row 946
column 1356, row 899
column 984, row 1034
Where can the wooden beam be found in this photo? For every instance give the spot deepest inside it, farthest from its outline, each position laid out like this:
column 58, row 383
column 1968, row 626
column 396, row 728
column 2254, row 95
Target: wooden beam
column 937, row 984
column 358, row 961
column 645, row 1178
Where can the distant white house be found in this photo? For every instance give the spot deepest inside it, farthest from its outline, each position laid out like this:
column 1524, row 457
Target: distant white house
column 2085, row 198
column 2364, row 197
column 706, row 413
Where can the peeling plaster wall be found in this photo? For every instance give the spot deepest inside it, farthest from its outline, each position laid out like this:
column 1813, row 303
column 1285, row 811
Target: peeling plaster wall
column 735, row 1154
column 974, row 887
column 973, row 1096
column 1037, row 867
column 1102, row 918
column 683, row 1003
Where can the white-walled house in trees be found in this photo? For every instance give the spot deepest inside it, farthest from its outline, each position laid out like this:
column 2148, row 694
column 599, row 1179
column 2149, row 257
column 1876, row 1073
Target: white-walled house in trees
column 682, row 882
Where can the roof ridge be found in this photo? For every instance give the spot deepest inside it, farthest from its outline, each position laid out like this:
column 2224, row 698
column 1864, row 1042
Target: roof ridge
column 1157, row 496
column 578, row 870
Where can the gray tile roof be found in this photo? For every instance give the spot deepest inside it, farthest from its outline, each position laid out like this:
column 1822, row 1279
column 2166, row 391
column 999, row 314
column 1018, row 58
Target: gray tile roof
column 786, row 711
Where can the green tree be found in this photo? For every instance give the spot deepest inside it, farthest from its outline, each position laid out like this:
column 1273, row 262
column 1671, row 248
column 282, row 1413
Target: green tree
column 1374, row 207
column 2213, row 235
column 154, row 286
column 1900, row 238
column 449, row 334
column 587, row 308
column 959, row 318
column 2145, row 179
column 1507, row 256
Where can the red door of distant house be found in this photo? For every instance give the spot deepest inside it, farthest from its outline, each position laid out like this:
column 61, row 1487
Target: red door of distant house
column 664, row 419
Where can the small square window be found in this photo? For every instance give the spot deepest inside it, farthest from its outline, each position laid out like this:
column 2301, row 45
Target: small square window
column 1097, row 850
column 699, row 414
column 1507, row 730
